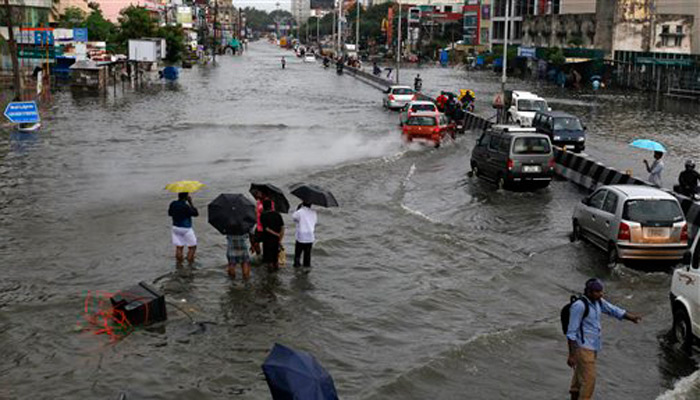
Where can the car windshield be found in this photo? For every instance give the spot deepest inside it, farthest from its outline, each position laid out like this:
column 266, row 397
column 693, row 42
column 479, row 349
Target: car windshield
column 402, row 91
column 423, row 107
column 571, row 124
column 531, row 145
column 532, row 105
column 652, row 211
column 421, row 121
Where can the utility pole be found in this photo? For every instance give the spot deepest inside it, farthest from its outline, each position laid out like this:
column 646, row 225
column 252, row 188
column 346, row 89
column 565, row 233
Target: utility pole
column 357, row 29
column 340, row 26
column 333, row 34
column 13, row 51
column 506, row 34
column 216, row 15
column 398, row 46
column 318, row 36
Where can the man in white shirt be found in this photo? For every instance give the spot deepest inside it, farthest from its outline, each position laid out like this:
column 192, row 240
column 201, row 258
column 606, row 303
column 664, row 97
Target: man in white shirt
column 655, row 169
column 305, row 219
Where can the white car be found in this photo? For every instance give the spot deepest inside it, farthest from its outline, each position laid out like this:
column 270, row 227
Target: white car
column 418, row 106
column 398, row 96
column 632, row 222
column 309, row 58
column 685, row 298
column 524, row 106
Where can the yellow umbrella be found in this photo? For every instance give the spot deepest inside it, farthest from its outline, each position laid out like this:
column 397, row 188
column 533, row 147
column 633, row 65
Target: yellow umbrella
column 184, row 186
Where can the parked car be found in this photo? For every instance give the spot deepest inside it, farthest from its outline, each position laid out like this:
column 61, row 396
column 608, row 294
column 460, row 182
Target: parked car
column 521, row 107
column 309, row 58
column 428, row 126
column 685, row 297
column 418, row 106
column 509, row 154
column 564, row 130
column 398, row 96
column 632, row 222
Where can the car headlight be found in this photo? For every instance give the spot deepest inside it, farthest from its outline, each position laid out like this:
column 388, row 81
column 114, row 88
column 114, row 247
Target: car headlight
column 557, row 138
column 581, row 139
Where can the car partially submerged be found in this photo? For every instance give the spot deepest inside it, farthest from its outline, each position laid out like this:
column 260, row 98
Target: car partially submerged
column 418, row 106
column 398, row 96
column 429, row 127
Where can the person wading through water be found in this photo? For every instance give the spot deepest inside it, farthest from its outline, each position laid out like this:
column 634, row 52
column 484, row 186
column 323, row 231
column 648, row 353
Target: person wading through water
column 584, row 336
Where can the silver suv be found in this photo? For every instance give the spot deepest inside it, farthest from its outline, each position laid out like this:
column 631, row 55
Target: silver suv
column 632, row 222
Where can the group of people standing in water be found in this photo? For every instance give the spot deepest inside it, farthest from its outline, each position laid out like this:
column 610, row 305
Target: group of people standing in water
column 264, row 241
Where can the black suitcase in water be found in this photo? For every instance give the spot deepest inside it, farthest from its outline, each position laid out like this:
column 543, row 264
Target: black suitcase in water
column 141, row 304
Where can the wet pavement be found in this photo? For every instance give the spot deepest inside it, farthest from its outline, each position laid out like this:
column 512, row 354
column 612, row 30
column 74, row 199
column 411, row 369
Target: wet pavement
column 425, row 283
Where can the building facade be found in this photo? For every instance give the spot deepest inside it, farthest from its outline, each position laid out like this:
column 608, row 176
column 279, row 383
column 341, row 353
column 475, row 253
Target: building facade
column 301, row 10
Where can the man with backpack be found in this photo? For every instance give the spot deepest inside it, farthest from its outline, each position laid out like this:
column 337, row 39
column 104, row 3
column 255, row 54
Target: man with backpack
column 583, row 332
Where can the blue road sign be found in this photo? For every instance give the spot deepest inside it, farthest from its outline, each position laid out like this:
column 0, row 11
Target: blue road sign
column 80, row 34
column 22, row 112
column 527, row 51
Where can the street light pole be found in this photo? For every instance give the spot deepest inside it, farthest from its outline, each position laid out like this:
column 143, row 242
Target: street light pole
column 13, row 52
column 357, row 29
column 505, row 49
column 340, row 26
column 216, row 14
column 398, row 46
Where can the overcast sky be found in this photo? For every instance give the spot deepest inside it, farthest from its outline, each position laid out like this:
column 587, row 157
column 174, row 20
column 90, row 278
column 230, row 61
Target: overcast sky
column 267, row 5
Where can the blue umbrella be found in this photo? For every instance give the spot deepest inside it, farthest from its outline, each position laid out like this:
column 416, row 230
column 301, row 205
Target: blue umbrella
column 648, row 145
column 296, row 375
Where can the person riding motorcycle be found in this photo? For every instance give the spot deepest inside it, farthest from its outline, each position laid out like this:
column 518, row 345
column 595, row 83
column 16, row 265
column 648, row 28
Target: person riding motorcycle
column 441, row 101
column 418, row 83
column 467, row 98
column 688, row 180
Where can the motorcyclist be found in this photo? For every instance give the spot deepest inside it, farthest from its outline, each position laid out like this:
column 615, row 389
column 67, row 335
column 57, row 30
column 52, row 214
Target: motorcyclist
column 418, row 83
column 688, row 180
column 339, row 66
column 441, row 101
column 467, row 99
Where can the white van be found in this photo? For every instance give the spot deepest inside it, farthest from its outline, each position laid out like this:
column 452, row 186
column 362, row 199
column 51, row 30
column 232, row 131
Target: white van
column 523, row 107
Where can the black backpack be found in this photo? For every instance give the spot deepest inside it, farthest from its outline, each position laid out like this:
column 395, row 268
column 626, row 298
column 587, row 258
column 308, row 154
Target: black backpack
column 566, row 313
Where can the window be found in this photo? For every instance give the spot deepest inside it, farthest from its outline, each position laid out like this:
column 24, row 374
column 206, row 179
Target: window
column 448, row 9
column 571, row 124
column 421, row 121
column 610, row 205
column 517, row 28
column 556, row 6
column 665, row 38
column 484, row 39
column 499, row 30
column 648, row 212
column 548, row 124
column 531, row 145
column 493, row 144
column 504, row 147
column 532, row 105
column 423, row 107
column 677, row 41
column 402, row 91
column 596, row 201
column 482, row 140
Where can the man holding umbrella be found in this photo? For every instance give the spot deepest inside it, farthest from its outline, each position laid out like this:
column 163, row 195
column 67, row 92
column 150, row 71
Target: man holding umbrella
column 655, row 169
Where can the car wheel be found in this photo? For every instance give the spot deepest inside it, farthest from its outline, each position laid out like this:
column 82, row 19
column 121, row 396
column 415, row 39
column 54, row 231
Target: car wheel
column 613, row 258
column 575, row 232
column 682, row 331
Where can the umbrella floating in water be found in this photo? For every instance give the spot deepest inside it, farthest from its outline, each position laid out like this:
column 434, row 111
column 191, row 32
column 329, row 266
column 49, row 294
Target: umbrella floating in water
column 232, row 214
column 184, row 186
column 296, row 375
column 274, row 193
column 314, row 195
column 648, row 145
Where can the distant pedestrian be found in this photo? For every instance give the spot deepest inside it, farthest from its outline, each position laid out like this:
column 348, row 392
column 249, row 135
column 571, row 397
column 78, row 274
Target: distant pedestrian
column 418, row 83
column 273, row 233
column 655, row 169
column 376, row 70
column 305, row 219
column 182, row 210
column 584, row 336
column 389, row 70
column 284, row 62
column 237, row 254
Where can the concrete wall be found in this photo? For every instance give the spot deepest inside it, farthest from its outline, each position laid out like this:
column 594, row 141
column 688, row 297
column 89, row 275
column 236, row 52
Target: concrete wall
column 577, row 6
column 672, row 21
column 605, row 17
column 558, row 30
column 691, row 7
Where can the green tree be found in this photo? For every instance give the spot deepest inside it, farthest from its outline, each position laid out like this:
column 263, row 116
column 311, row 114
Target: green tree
column 72, row 17
column 100, row 29
column 555, row 56
column 257, row 19
column 175, row 42
column 135, row 23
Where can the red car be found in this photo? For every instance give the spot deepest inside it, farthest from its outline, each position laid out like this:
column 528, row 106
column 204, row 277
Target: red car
column 428, row 126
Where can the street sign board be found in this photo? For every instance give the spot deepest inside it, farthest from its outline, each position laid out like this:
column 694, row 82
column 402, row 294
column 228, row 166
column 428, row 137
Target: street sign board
column 527, row 51
column 22, row 112
column 498, row 101
column 80, row 34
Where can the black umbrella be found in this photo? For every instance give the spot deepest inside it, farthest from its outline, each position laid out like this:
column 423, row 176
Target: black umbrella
column 274, row 193
column 314, row 195
column 232, row 214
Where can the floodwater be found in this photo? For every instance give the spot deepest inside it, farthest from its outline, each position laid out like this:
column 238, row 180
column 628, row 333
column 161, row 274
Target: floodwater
column 426, row 284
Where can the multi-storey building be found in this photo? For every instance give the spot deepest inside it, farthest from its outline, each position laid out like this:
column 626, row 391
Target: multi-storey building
column 301, row 10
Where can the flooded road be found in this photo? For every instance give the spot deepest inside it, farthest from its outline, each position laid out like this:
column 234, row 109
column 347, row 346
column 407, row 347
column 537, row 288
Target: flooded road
column 425, row 283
